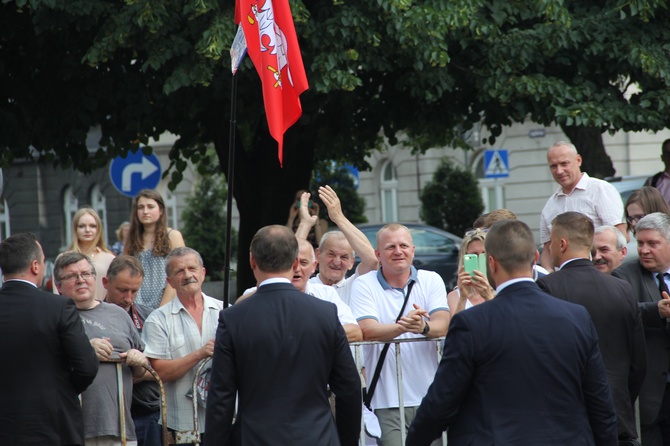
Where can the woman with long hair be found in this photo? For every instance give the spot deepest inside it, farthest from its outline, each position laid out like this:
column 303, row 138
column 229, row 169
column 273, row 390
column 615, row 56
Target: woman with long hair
column 472, row 289
column 88, row 239
column 150, row 240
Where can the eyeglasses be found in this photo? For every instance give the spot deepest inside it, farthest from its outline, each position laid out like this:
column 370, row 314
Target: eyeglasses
column 480, row 231
column 633, row 219
column 85, row 276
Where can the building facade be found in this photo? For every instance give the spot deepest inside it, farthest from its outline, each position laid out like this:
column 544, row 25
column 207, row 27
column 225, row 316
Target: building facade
column 392, row 189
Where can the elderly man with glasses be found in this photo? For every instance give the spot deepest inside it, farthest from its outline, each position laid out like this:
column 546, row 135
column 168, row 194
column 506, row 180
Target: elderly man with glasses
column 112, row 335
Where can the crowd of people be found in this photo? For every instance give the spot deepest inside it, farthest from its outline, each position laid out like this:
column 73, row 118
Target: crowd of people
column 567, row 346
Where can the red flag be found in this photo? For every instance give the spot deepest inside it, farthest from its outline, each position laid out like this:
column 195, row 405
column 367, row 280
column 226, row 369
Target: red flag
column 273, row 48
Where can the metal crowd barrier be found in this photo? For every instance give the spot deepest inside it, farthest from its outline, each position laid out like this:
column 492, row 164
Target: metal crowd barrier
column 359, row 365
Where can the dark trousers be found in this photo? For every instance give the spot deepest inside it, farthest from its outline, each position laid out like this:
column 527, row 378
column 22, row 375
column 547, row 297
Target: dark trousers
column 147, row 429
column 658, row 433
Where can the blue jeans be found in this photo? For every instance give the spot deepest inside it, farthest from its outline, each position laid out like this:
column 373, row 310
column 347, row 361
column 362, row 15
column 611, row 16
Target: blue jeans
column 147, row 429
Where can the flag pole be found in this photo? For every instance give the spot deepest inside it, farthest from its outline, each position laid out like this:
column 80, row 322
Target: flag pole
column 237, row 52
column 229, row 204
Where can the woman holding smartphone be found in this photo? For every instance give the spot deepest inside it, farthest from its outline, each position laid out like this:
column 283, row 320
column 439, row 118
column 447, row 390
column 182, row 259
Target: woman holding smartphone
column 473, row 285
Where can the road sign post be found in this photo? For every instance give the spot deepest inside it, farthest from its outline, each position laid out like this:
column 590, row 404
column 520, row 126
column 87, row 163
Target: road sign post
column 496, row 164
column 135, row 172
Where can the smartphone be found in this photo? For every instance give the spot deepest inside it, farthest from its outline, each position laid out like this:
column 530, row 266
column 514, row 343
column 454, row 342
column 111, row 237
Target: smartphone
column 309, row 204
column 482, row 263
column 471, row 263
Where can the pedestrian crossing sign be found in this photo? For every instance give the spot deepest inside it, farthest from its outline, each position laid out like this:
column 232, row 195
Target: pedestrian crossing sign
column 496, row 164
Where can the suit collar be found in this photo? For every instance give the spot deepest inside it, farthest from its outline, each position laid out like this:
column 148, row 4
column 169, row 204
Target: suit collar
column 575, row 263
column 276, row 286
column 12, row 282
column 512, row 282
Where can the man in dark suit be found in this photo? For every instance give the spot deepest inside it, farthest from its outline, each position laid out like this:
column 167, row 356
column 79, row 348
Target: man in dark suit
column 48, row 359
column 279, row 350
column 653, row 247
column 523, row 368
column 613, row 309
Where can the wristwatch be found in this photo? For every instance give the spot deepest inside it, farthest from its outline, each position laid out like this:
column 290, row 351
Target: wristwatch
column 426, row 329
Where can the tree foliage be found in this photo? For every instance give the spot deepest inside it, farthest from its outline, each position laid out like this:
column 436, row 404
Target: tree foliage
column 204, row 222
column 340, row 179
column 428, row 68
column 452, row 199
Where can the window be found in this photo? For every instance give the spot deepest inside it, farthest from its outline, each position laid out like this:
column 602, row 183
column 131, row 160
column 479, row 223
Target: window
column 171, row 209
column 389, row 192
column 5, row 230
column 70, row 206
column 99, row 205
column 427, row 242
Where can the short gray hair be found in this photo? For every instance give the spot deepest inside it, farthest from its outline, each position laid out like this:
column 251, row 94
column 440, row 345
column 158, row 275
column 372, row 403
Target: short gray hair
column 657, row 221
column 181, row 252
column 66, row 259
column 620, row 238
column 567, row 144
column 335, row 235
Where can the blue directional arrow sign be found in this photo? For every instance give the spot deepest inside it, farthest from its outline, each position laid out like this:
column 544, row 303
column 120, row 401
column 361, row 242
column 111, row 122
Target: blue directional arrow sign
column 496, row 164
column 135, row 172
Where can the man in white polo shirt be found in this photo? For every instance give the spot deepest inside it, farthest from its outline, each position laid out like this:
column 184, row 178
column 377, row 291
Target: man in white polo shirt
column 595, row 198
column 376, row 300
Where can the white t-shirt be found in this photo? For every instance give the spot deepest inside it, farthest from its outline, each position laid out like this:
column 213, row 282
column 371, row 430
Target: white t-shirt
column 328, row 294
column 343, row 287
column 373, row 298
column 595, row 198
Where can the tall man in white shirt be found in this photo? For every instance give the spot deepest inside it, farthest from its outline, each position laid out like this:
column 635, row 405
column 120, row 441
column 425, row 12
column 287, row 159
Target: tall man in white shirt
column 595, row 198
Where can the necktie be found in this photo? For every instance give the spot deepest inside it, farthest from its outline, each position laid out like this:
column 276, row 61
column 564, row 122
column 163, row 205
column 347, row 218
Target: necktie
column 662, row 286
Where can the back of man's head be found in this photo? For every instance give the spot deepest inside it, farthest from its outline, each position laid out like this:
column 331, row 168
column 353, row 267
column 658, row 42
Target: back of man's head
column 511, row 244
column 657, row 221
column 486, row 220
column 576, row 228
column 17, row 252
column 274, row 249
column 124, row 263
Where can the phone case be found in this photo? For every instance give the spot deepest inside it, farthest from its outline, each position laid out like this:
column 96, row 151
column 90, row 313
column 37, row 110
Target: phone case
column 482, row 263
column 471, row 263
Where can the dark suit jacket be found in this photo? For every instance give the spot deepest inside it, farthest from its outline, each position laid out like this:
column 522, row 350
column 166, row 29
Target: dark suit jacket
column 280, row 349
column 614, row 312
column 646, row 291
column 521, row 369
column 47, row 360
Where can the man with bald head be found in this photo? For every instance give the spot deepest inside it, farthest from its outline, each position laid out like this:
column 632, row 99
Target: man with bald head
column 278, row 351
column 595, row 198
column 301, row 274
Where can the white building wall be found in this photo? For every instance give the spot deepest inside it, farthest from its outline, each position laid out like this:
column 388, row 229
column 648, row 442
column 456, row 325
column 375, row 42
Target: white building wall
column 529, row 184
